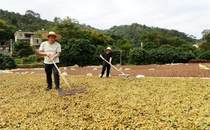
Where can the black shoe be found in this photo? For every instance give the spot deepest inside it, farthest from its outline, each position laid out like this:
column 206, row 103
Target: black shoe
column 48, row 89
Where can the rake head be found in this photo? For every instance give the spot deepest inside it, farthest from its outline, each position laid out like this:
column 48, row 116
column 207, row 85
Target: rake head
column 203, row 67
column 124, row 75
column 72, row 91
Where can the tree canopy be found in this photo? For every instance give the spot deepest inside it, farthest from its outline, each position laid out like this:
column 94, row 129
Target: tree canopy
column 82, row 44
column 6, row 31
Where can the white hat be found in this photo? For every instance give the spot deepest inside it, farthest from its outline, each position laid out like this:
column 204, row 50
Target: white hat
column 109, row 48
column 52, row 34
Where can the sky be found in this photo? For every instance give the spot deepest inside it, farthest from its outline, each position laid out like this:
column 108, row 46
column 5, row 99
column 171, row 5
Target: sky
column 189, row 16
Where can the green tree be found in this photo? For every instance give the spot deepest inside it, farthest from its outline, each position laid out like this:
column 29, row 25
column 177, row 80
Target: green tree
column 150, row 45
column 124, row 46
column 97, row 38
column 68, row 29
column 6, row 31
column 206, row 42
column 78, row 51
column 169, row 54
column 32, row 13
column 138, row 56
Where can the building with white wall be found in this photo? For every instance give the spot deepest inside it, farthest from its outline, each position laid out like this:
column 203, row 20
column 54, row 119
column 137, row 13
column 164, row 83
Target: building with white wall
column 30, row 37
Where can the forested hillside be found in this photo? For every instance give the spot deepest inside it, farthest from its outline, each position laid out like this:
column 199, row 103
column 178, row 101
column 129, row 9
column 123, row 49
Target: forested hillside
column 31, row 21
column 137, row 33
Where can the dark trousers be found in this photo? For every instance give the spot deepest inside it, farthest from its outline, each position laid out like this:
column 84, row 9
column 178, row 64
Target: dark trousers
column 49, row 68
column 106, row 67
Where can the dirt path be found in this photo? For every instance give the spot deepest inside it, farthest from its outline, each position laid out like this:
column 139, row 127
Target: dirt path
column 168, row 70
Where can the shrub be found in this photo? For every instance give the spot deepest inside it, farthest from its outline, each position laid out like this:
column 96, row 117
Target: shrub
column 29, row 60
column 32, row 58
column 199, row 61
column 37, row 65
column 23, row 49
column 205, row 55
column 138, row 56
column 7, row 62
column 18, row 61
column 162, row 55
column 168, row 54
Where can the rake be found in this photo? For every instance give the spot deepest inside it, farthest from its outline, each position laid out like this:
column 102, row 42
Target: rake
column 122, row 73
column 70, row 91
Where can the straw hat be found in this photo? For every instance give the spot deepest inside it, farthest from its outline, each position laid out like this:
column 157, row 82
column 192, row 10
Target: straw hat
column 51, row 33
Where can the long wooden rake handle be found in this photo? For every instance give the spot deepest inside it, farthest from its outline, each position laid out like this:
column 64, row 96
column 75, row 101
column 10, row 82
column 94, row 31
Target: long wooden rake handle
column 112, row 65
column 62, row 76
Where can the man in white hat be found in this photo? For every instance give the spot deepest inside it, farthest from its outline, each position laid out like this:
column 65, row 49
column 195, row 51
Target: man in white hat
column 51, row 50
column 106, row 67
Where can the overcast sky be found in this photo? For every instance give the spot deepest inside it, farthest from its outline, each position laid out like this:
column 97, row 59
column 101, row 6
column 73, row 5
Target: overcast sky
column 189, row 16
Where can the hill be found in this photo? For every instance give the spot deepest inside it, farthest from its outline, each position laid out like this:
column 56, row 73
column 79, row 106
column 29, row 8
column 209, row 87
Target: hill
column 31, row 21
column 138, row 33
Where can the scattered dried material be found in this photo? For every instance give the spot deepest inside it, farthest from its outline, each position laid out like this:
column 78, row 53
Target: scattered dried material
column 89, row 74
column 147, row 103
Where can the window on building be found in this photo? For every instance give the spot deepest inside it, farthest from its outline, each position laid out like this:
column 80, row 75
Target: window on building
column 27, row 35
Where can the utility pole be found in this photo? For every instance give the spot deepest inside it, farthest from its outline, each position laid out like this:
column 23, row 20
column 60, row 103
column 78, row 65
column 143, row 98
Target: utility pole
column 120, row 57
column 11, row 47
column 142, row 45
